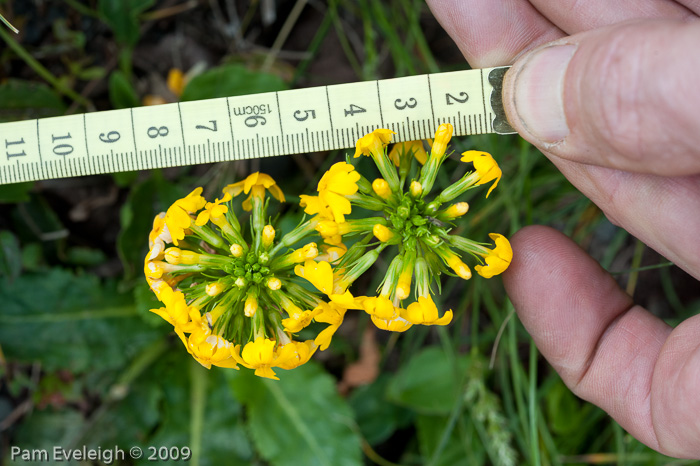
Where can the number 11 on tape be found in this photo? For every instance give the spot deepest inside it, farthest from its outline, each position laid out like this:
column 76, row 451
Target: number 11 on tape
column 251, row 126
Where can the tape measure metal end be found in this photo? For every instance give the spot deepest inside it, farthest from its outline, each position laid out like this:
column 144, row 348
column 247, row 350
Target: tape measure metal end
column 500, row 121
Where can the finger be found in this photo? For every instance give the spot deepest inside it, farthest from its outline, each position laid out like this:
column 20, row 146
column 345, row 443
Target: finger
column 623, row 97
column 660, row 211
column 605, row 348
column 574, row 16
column 493, row 33
column 692, row 5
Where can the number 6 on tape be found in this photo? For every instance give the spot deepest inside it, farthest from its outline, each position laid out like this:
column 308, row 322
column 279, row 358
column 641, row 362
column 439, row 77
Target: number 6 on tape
column 251, row 126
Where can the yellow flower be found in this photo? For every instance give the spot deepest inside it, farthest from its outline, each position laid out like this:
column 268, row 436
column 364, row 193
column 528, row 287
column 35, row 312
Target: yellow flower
column 307, row 252
column 300, row 320
column 296, row 353
column 213, row 210
column 381, row 307
column 176, row 81
column 498, row 258
column 339, row 181
column 333, row 314
column 456, row 264
column 255, row 184
column 485, row 166
column 176, row 311
column 425, row 312
column 213, row 351
column 159, row 234
column 408, row 148
column 177, row 218
column 259, row 355
column 319, row 274
column 397, row 324
column 315, row 205
column 373, row 142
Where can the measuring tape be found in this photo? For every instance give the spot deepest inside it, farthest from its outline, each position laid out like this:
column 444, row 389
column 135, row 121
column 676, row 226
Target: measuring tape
column 251, row 126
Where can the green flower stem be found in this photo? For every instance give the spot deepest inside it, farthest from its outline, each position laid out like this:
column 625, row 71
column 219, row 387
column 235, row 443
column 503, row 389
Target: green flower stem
column 467, row 245
column 294, row 236
column 457, row 188
column 199, row 380
column 387, row 169
column 41, row 71
column 392, row 275
column 208, row 235
column 367, row 202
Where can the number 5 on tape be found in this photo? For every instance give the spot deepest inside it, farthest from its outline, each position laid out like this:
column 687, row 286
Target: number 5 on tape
column 251, row 126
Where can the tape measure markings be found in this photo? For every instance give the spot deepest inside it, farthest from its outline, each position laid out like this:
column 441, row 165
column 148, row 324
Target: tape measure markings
column 195, row 132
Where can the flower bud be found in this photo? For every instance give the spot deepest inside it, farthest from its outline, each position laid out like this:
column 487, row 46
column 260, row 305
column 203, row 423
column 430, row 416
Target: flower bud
column 274, row 283
column 381, row 188
column 236, row 250
column 442, row 138
column 251, row 304
column 382, row 233
column 268, row 236
column 214, row 289
column 177, row 256
column 459, row 267
column 416, row 189
column 456, row 210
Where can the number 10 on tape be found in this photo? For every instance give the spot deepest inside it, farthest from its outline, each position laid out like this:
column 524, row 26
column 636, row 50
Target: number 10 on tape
column 251, row 126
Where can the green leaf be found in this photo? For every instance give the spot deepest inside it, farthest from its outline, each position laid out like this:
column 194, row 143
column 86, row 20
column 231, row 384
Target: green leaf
column 123, row 17
column 231, row 80
column 70, row 322
column 10, row 256
column 378, row 418
column 158, row 409
column 42, row 431
column 23, row 100
column 462, row 446
column 15, row 192
column 428, row 383
column 299, row 419
column 121, row 92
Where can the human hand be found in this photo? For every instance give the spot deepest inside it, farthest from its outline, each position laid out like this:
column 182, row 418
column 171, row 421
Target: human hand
column 616, row 107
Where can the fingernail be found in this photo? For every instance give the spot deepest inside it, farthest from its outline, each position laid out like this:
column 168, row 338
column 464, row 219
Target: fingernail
column 539, row 93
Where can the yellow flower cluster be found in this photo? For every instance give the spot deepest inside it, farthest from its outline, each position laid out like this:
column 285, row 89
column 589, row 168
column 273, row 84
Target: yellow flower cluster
column 415, row 225
column 235, row 296
column 224, row 295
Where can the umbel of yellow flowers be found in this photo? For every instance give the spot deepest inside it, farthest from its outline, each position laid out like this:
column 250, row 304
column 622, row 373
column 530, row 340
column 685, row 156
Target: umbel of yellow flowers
column 239, row 296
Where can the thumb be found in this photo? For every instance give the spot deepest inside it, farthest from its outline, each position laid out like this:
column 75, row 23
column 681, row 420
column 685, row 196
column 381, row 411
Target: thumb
column 624, row 96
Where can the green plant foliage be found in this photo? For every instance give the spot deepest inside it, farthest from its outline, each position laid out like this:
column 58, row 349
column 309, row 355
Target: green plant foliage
column 429, row 382
column 377, row 417
column 123, row 17
column 21, row 100
column 10, row 256
column 87, row 325
column 15, row 192
column 459, row 448
column 299, row 419
column 121, row 92
column 231, row 80
column 158, row 409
